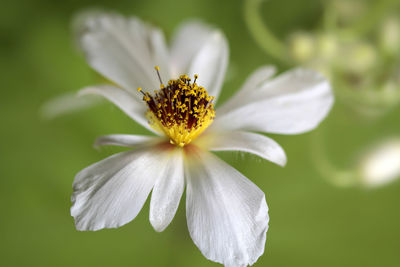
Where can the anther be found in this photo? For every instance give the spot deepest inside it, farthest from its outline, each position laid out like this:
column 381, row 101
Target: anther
column 157, row 68
column 140, row 90
column 181, row 109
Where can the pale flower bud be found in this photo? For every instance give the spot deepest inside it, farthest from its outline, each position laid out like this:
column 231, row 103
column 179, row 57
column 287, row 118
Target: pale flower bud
column 381, row 164
column 347, row 11
column 327, row 46
column 359, row 57
column 390, row 35
column 302, row 46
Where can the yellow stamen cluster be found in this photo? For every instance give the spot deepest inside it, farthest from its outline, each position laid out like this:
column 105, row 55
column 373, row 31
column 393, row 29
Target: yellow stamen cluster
column 182, row 110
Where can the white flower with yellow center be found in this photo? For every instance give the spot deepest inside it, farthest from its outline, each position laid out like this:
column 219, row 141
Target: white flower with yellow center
column 227, row 214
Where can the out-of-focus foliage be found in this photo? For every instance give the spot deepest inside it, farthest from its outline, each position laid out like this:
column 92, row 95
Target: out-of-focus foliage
column 312, row 222
column 356, row 44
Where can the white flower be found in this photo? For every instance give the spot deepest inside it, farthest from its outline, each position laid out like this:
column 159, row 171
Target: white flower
column 227, row 214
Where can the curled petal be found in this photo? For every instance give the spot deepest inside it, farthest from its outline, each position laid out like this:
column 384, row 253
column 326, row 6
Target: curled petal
column 256, row 144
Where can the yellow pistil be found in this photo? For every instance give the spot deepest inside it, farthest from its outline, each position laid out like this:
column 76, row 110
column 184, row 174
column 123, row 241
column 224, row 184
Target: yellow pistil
column 182, row 110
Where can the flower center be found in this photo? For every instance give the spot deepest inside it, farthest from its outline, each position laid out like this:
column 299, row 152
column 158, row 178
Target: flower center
column 182, row 110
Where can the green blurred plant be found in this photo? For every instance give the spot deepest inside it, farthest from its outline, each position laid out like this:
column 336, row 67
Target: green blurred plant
column 357, row 46
column 359, row 53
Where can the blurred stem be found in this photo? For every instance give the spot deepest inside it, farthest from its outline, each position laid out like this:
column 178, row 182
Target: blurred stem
column 334, row 175
column 261, row 33
column 369, row 102
column 375, row 13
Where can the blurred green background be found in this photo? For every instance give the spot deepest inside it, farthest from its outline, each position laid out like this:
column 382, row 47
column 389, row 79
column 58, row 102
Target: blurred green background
column 313, row 223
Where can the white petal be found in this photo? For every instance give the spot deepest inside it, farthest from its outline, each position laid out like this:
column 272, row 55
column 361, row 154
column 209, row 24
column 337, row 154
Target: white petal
column 210, row 64
column 67, row 103
column 293, row 103
column 124, row 100
column 252, row 84
column 167, row 193
column 187, row 41
column 110, row 193
column 161, row 56
column 257, row 144
column 259, row 77
column 125, row 140
column 227, row 214
column 123, row 50
column 200, row 49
